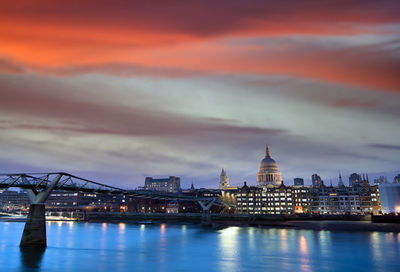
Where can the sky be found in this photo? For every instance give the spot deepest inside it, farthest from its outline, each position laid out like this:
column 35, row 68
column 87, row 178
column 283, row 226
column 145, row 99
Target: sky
column 115, row 91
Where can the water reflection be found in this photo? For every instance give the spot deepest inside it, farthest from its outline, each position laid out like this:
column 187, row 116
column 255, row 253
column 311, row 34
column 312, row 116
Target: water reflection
column 251, row 236
column 324, row 238
column 121, row 236
column 303, row 245
column 304, row 260
column 284, row 241
column 390, row 237
column 375, row 244
column 162, row 229
column 31, row 258
column 229, row 248
column 163, row 244
column 142, row 243
column 169, row 247
column 71, row 225
column 121, row 228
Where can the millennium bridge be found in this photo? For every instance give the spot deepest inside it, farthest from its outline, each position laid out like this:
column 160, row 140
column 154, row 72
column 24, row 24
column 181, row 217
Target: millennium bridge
column 40, row 185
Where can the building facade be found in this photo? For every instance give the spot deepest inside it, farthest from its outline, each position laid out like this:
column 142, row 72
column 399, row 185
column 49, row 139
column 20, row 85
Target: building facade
column 169, row 185
column 65, row 200
column 264, row 200
column 13, row 200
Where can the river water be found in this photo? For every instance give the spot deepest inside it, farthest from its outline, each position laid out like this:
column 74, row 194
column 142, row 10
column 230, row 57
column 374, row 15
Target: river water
column 167, row 247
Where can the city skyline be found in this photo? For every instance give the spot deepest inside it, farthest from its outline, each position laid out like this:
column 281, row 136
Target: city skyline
column 117, row 93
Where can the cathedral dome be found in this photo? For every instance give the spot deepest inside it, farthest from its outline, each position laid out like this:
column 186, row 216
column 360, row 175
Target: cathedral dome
column 268, row 171
column 268, row 163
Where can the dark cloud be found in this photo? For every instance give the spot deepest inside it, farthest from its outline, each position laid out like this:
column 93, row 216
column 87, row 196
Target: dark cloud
column 204, row 18
column 385, row 146
column 8, row 66
column 89, row 115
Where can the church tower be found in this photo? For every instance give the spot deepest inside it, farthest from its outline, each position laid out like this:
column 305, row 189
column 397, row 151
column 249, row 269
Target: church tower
column 340, row 184
column 223, row 180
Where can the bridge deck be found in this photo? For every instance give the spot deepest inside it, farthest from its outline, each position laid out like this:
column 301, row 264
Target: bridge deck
column 68, row 182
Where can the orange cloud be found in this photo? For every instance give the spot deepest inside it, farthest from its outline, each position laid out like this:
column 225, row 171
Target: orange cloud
column 184, row 38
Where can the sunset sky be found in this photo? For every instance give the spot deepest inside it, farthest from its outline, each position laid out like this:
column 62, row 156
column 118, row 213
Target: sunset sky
column 118, row 90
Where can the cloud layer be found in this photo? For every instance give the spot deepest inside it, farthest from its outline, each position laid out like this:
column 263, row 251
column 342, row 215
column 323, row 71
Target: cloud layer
column 172, row 38
column 129, row 89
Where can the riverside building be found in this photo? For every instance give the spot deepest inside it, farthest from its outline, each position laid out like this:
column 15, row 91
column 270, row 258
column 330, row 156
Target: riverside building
column 264, row 200
column 169, row 185
column 271, row 196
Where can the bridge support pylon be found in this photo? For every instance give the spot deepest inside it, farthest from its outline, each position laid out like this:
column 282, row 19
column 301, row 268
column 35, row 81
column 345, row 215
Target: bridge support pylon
column 206, row 216
column 34, row 234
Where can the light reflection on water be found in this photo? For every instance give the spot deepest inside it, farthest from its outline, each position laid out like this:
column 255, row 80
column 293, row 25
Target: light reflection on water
column 228, row 248
column 284, row 241
column 304, row 259
column 324, row 238
column 166, row 247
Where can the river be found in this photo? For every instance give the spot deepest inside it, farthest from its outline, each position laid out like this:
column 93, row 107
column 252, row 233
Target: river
column 111, row 247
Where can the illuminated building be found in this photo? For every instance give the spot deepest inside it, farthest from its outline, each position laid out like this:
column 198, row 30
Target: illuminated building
column 249, row 199
column 268, row 171
column 361, row 199
column 264, row 200
column 170, row 185
column 65, row 200
column 172, row 207
column 300, row 195
column 334, row 200
column 277, row 200
column 13, row 200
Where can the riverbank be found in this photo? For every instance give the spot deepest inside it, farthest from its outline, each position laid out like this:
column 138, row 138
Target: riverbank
column 320, row 222
column 348, row 226
column 347, row 223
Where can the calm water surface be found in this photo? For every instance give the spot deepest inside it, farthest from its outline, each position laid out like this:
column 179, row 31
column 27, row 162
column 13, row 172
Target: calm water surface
column 165, row 247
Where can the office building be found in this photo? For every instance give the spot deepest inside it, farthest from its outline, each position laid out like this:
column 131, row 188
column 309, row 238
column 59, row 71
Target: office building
column 170, row 185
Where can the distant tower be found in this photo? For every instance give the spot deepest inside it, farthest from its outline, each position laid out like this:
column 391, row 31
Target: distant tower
column 223, row 180
column 396, row 179
column 354, row 180
column 298, row 182
column 316, row 180
column 340, row 184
